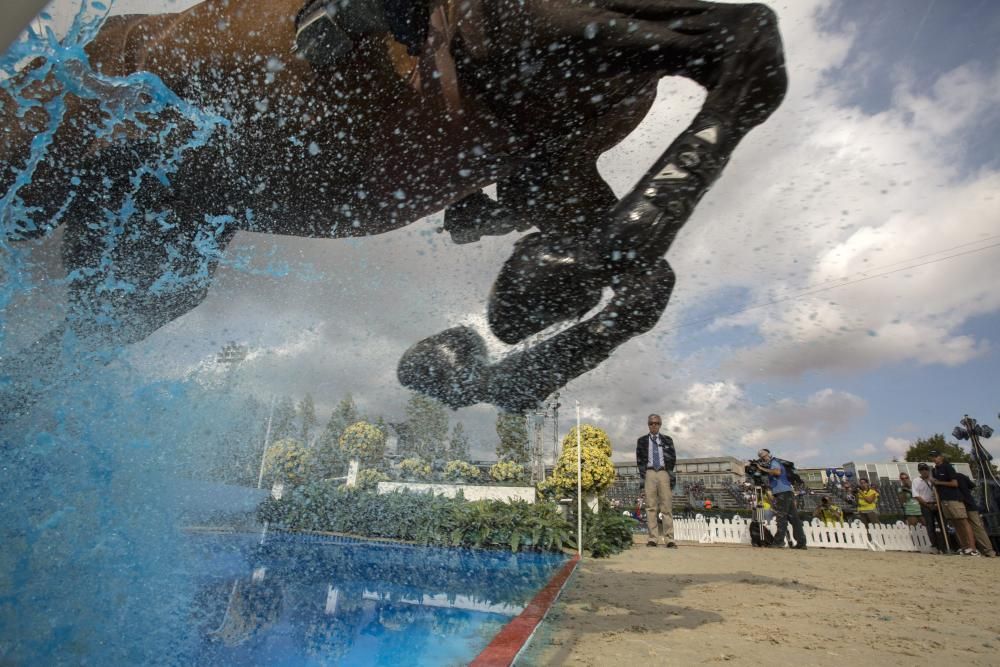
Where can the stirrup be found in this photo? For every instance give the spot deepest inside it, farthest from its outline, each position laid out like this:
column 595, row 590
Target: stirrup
column 318, row 38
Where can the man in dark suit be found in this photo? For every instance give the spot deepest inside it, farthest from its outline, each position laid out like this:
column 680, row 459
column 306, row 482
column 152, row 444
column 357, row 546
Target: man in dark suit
column 655, row 456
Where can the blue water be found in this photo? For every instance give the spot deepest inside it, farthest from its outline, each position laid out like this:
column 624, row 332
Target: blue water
column 302, row 601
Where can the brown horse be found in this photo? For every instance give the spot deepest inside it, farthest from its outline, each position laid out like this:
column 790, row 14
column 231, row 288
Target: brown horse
column 525, row 94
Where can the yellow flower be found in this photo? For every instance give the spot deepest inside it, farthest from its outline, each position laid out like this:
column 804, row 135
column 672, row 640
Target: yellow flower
column 416, row 469
column 369, row 478
column 507, row 471
column 364, row 442
column 597, row 472
column 461, row 470
column 288, row 461
column 590, row 436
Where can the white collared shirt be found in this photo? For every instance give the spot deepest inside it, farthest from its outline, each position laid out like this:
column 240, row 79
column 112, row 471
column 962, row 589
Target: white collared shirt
column 922, row 489
column 653, row 442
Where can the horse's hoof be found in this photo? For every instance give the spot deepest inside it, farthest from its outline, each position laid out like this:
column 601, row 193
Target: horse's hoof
column 542, row 284
column 448, row 366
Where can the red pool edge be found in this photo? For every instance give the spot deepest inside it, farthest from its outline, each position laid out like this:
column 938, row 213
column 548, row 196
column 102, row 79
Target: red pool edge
column 514, row 636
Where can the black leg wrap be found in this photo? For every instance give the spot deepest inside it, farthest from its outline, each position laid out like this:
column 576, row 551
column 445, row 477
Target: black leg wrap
column 453, row 368
column 523, row 380
column 646, row 221
column 477, row 216
column 449, row 366
column 545, row 281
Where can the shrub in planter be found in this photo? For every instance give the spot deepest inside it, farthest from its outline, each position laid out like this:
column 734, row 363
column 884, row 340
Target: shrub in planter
column 370, row 477
column 461, row 471
column 415, row 469
column 606, row 532
column 508, row 471
column 420, row 517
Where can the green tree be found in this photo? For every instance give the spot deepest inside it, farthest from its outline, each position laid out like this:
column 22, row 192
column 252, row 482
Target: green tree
column 283, row 423
column 427, row 428
column 307, row 417
column 458, row 444
column 513, row 433
column 920, row 450
column 330, row 459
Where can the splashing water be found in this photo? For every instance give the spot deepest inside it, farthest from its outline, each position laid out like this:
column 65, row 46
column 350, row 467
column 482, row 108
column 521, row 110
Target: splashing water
column 91, row 508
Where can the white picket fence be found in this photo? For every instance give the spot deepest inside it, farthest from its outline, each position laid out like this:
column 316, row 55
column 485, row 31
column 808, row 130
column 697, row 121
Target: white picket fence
column 877, row 537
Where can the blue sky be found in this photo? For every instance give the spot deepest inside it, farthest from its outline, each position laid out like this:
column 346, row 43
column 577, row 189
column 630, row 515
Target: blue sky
column 883, row 157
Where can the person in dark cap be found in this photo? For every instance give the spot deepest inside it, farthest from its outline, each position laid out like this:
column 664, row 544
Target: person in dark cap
column 945, row 480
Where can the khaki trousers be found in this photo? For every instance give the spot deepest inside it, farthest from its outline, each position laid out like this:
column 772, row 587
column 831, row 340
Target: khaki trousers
column 659, row 498
column 979, row 532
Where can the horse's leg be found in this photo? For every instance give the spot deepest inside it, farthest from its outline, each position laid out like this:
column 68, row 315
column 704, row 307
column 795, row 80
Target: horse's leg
column 132, row 268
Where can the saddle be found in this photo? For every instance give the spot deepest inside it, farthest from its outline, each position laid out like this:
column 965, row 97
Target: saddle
column 417, row 38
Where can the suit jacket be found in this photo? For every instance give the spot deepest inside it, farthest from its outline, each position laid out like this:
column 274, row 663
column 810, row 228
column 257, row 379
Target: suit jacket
column 666, row 451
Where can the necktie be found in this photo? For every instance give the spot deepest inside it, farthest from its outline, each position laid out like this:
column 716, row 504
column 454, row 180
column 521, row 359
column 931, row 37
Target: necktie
column 657, row 463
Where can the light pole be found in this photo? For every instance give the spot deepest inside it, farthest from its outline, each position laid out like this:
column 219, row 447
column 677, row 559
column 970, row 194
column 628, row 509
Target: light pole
column 972, row 431
column 267, row 442
column 231, row 356
column 554, row 406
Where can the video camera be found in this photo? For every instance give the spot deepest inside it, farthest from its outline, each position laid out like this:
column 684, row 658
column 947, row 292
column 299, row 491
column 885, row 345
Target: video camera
column 755, row 475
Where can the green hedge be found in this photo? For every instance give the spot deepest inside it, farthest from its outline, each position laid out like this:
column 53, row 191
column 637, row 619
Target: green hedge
column 438, row 521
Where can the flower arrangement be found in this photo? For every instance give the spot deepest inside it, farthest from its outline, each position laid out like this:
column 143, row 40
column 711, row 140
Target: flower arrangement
column 597, row 471
column 414, row 468
column 590, row 436
column 461, row 471
column 289, row 462
column 364, row 442
column 507, row 471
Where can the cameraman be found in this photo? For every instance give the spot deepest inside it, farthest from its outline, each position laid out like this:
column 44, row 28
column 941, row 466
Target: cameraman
column 784, row 499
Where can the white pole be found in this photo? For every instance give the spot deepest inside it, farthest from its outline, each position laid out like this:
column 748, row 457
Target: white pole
column 267, row 438
column 579, row 485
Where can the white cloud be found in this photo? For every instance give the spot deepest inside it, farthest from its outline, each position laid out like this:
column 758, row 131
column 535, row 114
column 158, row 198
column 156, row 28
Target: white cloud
column 714, row 418
column 896, row 446
column 866, row 449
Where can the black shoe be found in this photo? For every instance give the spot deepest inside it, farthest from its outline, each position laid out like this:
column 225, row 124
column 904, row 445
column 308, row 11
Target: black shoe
column 802, row 547
column 775, row 546
column 671, row 545
column 650, row 543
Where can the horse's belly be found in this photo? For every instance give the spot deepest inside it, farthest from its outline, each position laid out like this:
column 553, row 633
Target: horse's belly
column 383, row 162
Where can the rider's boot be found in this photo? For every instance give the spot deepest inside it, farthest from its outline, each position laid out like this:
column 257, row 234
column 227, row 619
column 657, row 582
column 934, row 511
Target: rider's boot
column 325, row 30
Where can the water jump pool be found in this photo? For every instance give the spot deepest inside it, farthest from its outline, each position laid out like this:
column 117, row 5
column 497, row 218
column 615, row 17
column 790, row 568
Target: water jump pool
column 304, row 600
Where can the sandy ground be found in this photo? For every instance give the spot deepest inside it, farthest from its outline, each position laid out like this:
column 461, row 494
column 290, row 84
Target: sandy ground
column 707, row 604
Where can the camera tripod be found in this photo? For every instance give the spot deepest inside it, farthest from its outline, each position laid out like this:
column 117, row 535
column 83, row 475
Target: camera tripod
column 763, row 534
